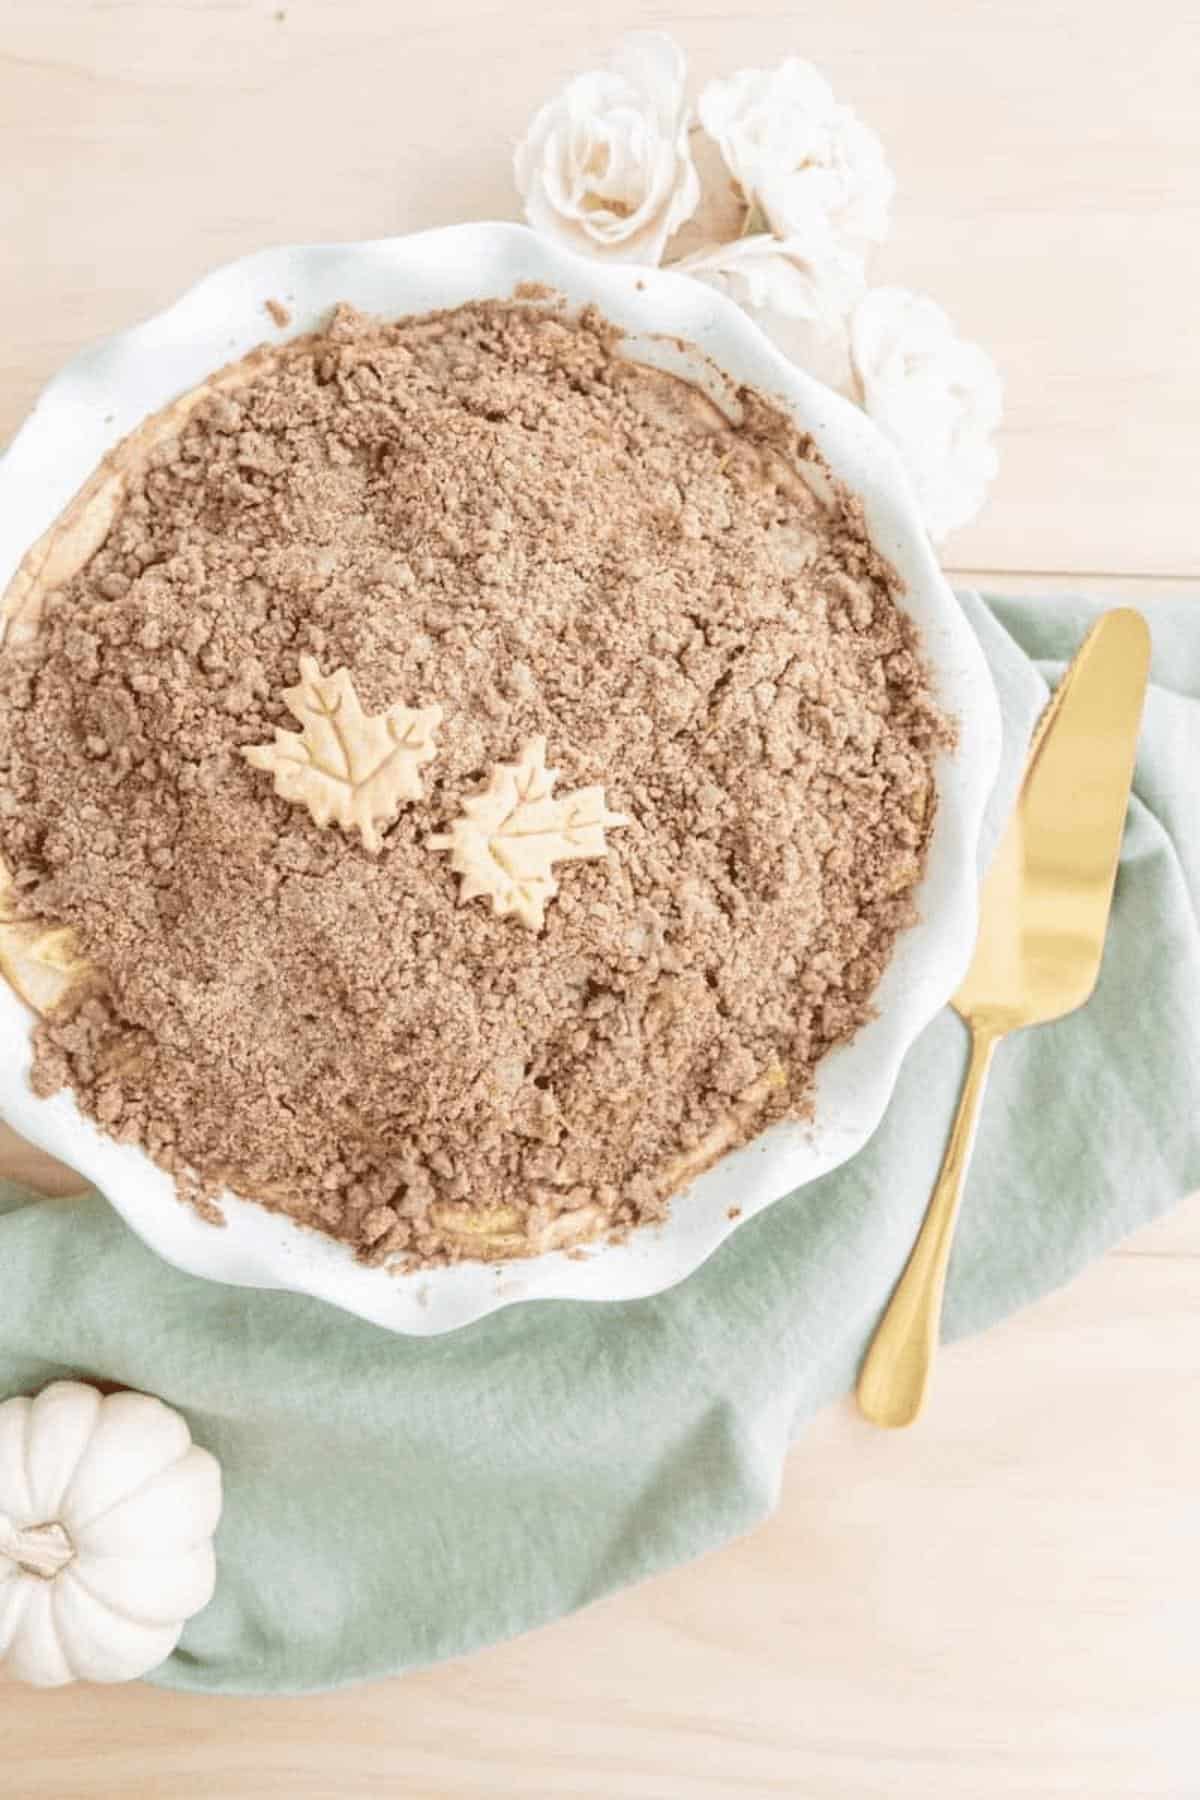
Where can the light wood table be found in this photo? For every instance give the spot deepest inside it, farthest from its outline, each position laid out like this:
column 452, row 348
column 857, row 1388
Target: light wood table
column 1005, row 1601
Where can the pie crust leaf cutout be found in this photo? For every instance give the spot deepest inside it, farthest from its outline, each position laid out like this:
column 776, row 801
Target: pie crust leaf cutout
column 508, row 837
column 348, row 769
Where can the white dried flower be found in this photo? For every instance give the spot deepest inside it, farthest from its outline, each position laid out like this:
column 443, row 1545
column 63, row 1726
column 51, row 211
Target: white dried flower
column 779, row 278
column 936, row 396
column 817, row 173
column 605, row 166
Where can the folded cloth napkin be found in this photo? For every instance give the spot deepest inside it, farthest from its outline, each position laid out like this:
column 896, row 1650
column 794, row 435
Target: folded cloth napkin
column 390, row 1501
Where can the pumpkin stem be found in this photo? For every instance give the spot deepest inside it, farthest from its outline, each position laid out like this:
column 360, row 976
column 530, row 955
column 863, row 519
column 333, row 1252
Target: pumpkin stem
column 43, row 1550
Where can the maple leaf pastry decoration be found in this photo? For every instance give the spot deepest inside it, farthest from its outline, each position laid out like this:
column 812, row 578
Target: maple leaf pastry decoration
column 347, row 768
column 508, row 838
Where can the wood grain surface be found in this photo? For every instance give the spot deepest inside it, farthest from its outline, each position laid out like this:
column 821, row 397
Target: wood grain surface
column 1003, row 1602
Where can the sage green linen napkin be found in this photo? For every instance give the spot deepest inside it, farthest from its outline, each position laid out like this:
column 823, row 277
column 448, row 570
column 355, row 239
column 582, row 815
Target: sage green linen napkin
column 390, row 1501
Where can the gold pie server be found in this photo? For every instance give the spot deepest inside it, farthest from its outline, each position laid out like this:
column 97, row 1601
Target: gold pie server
column 1043, row 917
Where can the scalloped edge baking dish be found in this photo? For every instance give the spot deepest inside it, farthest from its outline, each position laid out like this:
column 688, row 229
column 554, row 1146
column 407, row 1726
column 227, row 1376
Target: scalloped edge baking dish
column 109, row 389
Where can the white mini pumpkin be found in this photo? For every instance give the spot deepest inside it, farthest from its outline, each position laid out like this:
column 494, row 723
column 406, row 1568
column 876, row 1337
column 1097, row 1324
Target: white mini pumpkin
column 107, row 1512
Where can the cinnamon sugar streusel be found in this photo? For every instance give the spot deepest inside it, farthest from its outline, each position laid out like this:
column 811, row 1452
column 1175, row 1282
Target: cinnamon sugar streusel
column 491, row 512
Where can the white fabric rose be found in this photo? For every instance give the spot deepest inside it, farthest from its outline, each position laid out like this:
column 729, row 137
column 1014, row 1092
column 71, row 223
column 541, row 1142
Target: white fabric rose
column 817, row 173
column 936, row 396
column 605, row 166
column 778, row 278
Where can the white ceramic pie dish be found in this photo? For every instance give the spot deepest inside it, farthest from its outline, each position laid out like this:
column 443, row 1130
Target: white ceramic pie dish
column 105, row 392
